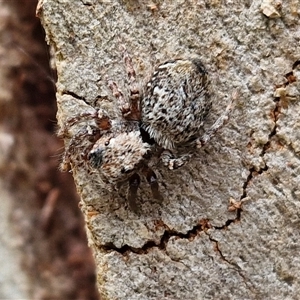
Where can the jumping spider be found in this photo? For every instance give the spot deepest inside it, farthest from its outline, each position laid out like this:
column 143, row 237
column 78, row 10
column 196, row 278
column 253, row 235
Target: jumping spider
column 165, row 122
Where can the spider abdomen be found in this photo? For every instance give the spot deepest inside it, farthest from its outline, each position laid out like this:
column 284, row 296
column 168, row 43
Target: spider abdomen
column 176, row 102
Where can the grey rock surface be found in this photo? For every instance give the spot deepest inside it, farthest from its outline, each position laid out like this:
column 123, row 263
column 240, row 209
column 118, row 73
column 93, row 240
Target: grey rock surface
column 192, row 246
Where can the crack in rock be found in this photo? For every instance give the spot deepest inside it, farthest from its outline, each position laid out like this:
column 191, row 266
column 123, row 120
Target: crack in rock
column 233, row 265
column 252, row 171
column 201, row 226
column 74, row 95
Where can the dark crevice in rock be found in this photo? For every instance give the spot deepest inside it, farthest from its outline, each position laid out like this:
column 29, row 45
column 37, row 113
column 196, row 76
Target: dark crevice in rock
column 296, row 64
column 253, row 171
column 201, row 226
column 86, row 3
column 228, row 222
column 74, row 95
column 275, row 114
column 235, row 266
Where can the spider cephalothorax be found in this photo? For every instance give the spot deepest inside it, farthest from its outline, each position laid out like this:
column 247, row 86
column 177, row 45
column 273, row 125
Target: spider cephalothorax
column 118, row 156
column 171, row 112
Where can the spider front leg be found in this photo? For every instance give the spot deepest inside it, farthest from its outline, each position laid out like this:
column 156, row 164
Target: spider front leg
column 99, row 116
column 134, row 183
column 122, row 103
column 152, row 180
column 134, row 97
column 75, row 150
column 130, row 107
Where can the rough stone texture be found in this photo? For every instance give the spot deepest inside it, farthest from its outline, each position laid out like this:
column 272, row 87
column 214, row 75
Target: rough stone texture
column 192, row 246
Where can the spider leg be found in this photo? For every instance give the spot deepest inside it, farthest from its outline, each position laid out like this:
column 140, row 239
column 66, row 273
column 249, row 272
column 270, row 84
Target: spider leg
column 219, row 123
column 152, row 180
column 130, row 109
column 101, row 119
column 172, row 162
column 75, row 145
column 134, row 183
column 63, row 131
column 125, row 108
column 134, row 98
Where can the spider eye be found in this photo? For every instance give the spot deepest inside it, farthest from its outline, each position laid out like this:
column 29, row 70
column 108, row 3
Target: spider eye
column 106, row 143
column 95, row 157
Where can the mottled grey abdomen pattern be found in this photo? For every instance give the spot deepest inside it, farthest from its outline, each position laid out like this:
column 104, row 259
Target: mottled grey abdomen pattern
column 176, row 102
